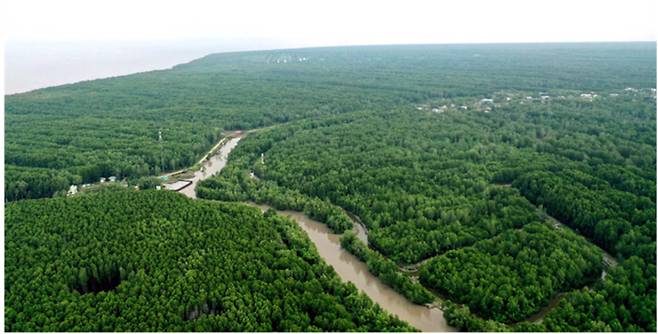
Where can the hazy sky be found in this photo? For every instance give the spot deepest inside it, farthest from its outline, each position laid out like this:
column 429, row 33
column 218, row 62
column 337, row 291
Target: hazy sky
column 334, row 22
column 54, row 42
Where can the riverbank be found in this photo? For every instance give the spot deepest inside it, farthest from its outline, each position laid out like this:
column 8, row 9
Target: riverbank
column 348, row 266
column 351, row 269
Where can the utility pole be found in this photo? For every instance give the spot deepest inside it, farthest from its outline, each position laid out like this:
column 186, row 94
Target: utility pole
column 161, row 151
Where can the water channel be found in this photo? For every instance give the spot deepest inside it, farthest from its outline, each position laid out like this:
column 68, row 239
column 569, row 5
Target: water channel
column 351, row 269
column 213, row 165
column 347, row 266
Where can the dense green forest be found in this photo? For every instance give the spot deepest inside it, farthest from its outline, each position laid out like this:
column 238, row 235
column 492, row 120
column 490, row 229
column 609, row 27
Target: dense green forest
column 77, row 133
column 470, row 186
column 507, row 276
column 156, row 261
column 500, row 178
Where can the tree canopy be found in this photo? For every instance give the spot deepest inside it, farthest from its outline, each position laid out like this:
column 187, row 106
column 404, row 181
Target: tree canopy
column 84, row 131
column 156, row 261
column 506, row 173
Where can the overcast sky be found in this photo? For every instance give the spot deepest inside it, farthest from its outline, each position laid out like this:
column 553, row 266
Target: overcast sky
column 51, row 34
column 334, row 22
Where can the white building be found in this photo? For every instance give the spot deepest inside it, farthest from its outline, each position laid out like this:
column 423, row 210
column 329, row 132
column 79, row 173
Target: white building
column 72, row 190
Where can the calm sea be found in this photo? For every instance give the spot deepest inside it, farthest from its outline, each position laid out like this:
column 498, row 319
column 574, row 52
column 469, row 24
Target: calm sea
column 33, row 65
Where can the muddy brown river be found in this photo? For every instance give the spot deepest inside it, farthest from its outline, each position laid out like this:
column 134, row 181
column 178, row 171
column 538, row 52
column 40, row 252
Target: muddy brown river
column 347, row 266
column 351, row 269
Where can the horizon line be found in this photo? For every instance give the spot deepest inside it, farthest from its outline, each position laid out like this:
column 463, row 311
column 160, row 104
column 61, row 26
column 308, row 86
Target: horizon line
column 248, row 50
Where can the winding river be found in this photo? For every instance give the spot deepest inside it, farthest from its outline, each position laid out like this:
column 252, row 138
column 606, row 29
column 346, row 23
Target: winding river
column 351, row 269
column 347, row 266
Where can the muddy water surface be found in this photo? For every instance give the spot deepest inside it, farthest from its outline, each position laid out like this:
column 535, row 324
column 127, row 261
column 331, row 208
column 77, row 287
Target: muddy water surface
column 214, row 164
column 348, row 267
column 351, row 269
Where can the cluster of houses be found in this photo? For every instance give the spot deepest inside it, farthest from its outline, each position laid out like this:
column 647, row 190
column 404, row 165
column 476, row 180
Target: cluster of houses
column 109, row 179
column 287, row 59
column 73, row 189
column 175, row 186
column 485, row 105
column 441, row 109
column 543, row 97
column 652, row 91
column 589, row 96
column 488, row 104
column 592, row 95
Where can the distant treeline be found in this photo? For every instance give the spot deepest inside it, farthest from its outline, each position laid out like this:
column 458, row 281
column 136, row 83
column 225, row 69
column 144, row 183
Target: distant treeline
column 78, row 133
